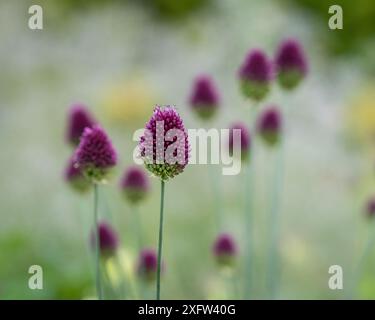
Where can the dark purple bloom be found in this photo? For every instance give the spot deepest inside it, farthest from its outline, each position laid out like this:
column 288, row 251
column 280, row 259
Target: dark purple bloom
column 108, row 240
column 79, row 118
column 147, row 264
column 135, row 184
column 95, row 155
column 269, row 125
column 225, row 249
column 164, row 146
column 291, row 63
column 243, row 145
column 370, row 208
column 75, row 178
column 255, row 75
column 204, row 98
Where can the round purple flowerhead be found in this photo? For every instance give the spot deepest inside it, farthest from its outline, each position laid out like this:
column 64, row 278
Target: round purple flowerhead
column 370, row 208
column 147, row 265
column 255, row 75
column 95, row 155
column 225, row 249
column 79, row 118
column 164, row 147
column 269, row 125
column 135, row 184
column 242, row 145
column 75, row 178
column 290, row 63
column 108, row 240
column 204, row 98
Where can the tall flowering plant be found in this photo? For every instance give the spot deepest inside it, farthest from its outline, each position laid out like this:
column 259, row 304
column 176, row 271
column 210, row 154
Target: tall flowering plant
column 95, row 156
column 164, row 148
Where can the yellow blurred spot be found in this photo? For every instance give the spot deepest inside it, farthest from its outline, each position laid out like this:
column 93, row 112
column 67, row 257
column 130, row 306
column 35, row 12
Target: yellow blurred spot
column 128, row 101
column 114, row 274
column 297, row 252
column 216, row 289
column 361, row 117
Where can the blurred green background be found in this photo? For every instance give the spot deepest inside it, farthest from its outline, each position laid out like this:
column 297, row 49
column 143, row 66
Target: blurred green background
column 123, row 57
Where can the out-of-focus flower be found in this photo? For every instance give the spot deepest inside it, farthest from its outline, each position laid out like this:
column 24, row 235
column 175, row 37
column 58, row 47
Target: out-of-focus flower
column 75, row 178
column 164, row 146
column 79, row 118
column 147, row 265
column 269, row 125
column 134, row 184
column 204, row 98
column 95, row 154
column 291, row 64
column 370, row 207
column 129, row 101
column 225, row 249
column 244, row 145
column 108, row 240
column 255, row 75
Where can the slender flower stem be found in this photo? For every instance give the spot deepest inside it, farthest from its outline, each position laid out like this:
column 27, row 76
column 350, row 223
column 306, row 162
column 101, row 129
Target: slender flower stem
column 276, row 186
column 160, row 245
column 97, row 244
column 215, row 187
column 249, row 197
column 137, row 226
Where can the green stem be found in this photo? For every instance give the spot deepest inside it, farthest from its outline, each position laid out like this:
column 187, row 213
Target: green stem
column 215, row 187
column 276, row 186
column 160, row 245
column 97, row 244
column 137, row 227
column 249, row 199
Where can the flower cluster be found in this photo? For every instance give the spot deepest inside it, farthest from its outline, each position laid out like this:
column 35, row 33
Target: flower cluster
column 134, row 184
column 291, row 64
column 269, row 125
column 370, row 207
column 204, row 98
column 108, row 240
column 225, row 249
column 95, row 155
column 75, row 178
column 147, row 265
column 256, row 75
column 244, row 144
column 79, row 118
column 164, row 146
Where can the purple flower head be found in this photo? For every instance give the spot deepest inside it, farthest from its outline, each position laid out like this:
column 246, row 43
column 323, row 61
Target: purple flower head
column 269, row 125
column 95, row 155
column 75, row 177
column 148, row 264
column 108, row 240
column 79, row 118
column 204, row 98
column 255, row 75
column 135, row 184
column 370, row 208
column 164, row 147
column 243, row 145
column 291, row 63
column 225, row 249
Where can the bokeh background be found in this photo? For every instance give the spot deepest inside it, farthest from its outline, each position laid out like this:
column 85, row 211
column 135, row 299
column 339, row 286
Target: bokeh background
column 123, row 57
